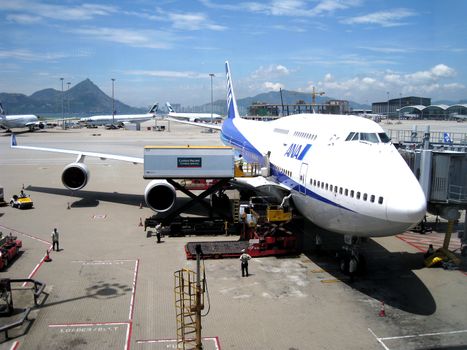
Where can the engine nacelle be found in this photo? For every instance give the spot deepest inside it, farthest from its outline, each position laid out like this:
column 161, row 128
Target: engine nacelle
column 41, row 126
column 75, row 176
column 160, row 196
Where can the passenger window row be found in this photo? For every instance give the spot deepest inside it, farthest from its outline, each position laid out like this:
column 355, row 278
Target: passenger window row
column 345, row 191
column 282, row 170
column 305, row 135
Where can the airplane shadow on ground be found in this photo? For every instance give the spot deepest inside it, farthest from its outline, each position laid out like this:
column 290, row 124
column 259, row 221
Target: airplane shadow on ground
column 90, row 199
column 389, row 276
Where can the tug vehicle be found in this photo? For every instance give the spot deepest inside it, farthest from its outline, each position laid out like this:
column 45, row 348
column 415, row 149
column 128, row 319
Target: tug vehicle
column 21, row 202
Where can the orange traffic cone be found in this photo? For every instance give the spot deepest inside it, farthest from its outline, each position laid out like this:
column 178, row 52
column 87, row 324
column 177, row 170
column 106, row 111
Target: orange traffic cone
column 140, row 222
column 382, row 311
column 47, row 257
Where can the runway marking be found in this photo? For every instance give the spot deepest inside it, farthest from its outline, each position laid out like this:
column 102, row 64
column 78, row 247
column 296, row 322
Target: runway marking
column 133, row 290
column 381, row 339
column 161, row 341
column 99, row 216
column 15, row 345
column 421, row 242
column 96, row 327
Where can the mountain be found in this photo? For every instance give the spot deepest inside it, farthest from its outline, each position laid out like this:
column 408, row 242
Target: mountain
column 84, row 99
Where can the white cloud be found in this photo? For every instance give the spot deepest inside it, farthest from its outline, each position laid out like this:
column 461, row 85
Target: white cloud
column 136, row 38
column 58, row 12
column 270, row 71
column 437, row 72
column 28, row 55
column 290, row 8
column 23, row 19
column 170, row 74
column 389, row 18
column 272, row 86
column 192, row 21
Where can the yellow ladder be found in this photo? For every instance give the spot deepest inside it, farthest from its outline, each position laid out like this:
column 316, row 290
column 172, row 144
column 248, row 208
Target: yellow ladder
column 185, row 308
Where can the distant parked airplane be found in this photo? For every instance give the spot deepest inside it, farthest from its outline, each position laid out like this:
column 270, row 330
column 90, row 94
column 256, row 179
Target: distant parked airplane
column 19, row 121
column 121, row 119
column 194, row 117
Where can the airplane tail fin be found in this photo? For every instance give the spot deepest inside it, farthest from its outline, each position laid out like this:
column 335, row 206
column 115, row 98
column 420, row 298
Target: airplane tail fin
column 169, row 107
column 2, row 112
column 154, row 109
column 232, row 110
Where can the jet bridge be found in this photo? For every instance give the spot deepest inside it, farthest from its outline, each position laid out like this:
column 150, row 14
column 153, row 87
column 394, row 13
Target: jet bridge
column 177, row 164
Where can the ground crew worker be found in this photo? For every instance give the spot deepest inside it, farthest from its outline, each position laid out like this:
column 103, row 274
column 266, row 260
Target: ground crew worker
column 352, row 267
column 318, row 243
column 240, row 162
column 430, row 251
column 244, row 259
column 55, row 239
column 22, row 194
column 158, row 232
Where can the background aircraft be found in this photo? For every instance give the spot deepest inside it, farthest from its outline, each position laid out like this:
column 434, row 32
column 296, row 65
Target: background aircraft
column 121, row 119
column 194, row 117
column 9, row 122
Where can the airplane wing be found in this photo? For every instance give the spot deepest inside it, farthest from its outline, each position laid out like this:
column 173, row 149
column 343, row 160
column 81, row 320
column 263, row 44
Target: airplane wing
column 80, row 154
column 202, row 125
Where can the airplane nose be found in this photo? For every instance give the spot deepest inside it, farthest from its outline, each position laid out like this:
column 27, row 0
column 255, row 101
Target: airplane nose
column 406, row 204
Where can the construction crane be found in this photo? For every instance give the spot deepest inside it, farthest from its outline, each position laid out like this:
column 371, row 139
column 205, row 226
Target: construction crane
column 315, row 93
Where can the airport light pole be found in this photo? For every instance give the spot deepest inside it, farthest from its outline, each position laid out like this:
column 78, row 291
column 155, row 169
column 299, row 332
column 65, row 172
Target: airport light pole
column 387, row 114
column 400, row 104
column 113, row 102
column 212, row 106
column 68, row 96
column 63, row 116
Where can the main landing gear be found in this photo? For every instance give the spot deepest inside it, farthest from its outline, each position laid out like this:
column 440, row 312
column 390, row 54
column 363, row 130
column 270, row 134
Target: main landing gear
column 351, row 261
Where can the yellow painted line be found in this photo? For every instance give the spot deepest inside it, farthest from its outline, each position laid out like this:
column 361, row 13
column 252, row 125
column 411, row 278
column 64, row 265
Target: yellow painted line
column 317, row 270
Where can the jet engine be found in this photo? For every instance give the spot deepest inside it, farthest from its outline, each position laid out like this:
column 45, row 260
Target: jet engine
column 75, row 176
column 160, row 196
column 41, row 126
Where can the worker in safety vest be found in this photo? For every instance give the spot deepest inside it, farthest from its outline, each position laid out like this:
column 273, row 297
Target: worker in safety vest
column 244, row 259
column 55, row 237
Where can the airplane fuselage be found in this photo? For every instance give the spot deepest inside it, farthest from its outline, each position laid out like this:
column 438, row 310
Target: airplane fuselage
column 18, row 121
column 107, row 119
column 359, row 186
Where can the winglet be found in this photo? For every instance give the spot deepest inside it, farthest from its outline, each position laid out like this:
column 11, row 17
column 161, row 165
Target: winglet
column 13, row 141
column 232, row 110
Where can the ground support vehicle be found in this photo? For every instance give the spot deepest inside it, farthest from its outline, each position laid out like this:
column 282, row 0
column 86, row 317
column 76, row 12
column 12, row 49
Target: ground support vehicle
column 9, row 248
column 21, row 202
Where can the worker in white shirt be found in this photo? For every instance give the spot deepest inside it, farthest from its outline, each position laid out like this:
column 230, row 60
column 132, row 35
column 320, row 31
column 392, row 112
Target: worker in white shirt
column 244, row 259
column 55, row 239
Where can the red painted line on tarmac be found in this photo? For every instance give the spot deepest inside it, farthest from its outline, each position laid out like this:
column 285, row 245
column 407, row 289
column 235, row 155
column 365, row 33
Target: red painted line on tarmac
column 27, row 235
column 132, row 300
column 412, row 244
column 158, row 341
column 15, row 345
column 128, row 335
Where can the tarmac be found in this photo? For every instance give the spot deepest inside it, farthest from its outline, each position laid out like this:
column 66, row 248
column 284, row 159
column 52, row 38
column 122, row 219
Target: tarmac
column 111, row 286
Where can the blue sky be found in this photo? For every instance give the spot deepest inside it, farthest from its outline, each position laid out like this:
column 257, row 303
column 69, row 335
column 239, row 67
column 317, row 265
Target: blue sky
column 164, row 50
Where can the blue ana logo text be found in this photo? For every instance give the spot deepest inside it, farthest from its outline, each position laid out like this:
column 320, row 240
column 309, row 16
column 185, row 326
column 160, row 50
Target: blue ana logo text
column 297, row 151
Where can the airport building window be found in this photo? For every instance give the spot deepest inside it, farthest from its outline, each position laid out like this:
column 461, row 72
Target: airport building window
column 383, row 137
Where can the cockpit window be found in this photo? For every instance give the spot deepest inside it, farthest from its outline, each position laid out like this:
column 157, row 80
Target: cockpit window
column 365, row 136
column 383, row 137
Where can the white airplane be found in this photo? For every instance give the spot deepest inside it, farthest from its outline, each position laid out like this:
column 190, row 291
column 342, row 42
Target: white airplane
column 121, row 119
column 19, row 121
column 341, row 171
column 194, row 117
